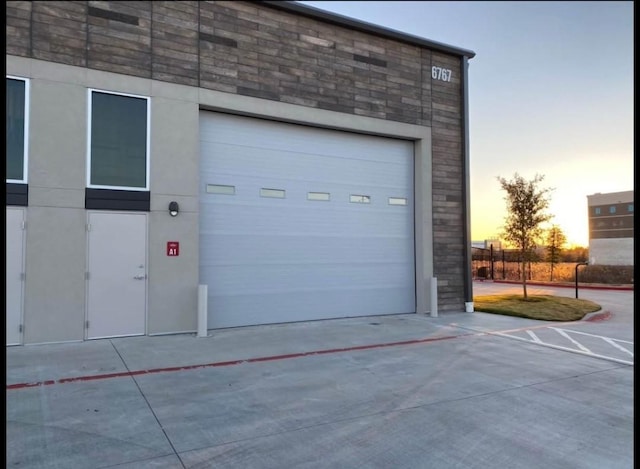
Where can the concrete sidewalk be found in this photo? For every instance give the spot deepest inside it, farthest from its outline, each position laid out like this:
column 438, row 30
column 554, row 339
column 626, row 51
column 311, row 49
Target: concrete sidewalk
column 405, row 391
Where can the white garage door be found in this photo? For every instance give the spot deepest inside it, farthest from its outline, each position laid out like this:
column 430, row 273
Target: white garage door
column 299, row 223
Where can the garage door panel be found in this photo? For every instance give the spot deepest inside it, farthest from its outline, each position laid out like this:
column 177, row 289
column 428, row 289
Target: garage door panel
column 233, row 131
column 245, row 249
column 338, row 170
column 309, row 220
column 269, row 260
column 247, row 190
column 298, row 277
column 244, row 310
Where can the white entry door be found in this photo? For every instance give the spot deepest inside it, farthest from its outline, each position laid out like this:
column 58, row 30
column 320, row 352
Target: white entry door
column 116, row 274
column 14, row 275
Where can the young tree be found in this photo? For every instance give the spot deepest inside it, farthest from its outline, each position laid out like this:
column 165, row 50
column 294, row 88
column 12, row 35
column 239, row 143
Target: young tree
column 555, row 239
column 526, row 206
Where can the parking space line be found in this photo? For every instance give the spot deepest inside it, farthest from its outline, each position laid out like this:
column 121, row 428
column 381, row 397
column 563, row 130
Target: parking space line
column 534, row 336
column 582, row 350
column 594, row 335
column 570, row 339
column 613, row 342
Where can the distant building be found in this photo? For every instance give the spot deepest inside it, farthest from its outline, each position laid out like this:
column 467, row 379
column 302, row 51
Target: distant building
column 611, row 228
column 487, row 243
column 496, row 243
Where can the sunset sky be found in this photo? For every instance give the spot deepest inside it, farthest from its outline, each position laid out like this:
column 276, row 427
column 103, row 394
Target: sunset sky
column 551, row 92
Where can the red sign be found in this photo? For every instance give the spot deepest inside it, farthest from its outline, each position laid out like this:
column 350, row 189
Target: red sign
column 173, row 248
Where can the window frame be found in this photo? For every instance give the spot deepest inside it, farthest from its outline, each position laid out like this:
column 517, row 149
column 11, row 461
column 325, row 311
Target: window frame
column 217, row 189
column 90, row 92
column 319, row 196
column 25, row 149
column 398, row 201
column 359, row 199
column 272, row 193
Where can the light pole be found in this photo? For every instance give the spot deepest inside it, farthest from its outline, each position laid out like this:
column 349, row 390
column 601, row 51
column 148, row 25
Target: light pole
column 578, row 265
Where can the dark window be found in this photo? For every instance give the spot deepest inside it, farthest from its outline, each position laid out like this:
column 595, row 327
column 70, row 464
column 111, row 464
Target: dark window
column 118, row 141
column 16, row 129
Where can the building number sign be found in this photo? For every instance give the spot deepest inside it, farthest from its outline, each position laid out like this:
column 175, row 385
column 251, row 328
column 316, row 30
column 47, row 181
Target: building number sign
column 439, row 73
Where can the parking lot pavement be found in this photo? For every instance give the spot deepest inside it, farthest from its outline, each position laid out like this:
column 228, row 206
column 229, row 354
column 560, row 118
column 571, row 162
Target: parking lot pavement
column 606, row 334
column 404, row 391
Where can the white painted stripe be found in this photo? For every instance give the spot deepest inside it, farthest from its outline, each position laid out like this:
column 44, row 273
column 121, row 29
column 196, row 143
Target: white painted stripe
column 619, row 347
column 600, row 336
column 575, row 342
column 534, row 337
column 566, row 349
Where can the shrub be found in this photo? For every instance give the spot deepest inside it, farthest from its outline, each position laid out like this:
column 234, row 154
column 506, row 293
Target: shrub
column 610, row 274
column 562, row 272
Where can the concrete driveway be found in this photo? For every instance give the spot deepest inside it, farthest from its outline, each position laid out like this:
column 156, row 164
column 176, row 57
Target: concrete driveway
column 406, row 391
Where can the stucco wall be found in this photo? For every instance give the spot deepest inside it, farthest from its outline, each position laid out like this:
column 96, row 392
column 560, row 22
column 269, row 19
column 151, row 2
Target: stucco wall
column 611, row 251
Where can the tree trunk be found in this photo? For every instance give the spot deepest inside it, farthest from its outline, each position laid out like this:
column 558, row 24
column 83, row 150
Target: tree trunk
column 524, row 279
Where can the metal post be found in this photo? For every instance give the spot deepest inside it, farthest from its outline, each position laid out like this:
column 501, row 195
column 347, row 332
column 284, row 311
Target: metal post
column 433, row 296
column 491, row 258
column 578, row 265
column 202, row 310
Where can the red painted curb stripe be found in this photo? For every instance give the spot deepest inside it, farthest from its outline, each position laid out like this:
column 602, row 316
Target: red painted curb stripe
column 125, row 374
column 599, row 317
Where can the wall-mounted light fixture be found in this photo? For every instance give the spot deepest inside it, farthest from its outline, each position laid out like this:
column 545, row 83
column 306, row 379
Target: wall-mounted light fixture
column 173, row 208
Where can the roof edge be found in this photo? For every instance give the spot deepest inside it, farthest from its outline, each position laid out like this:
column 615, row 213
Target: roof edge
column 363, row 26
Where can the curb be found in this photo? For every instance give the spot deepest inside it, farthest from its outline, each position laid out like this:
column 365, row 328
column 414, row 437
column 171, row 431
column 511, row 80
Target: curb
column 597, row 316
